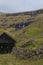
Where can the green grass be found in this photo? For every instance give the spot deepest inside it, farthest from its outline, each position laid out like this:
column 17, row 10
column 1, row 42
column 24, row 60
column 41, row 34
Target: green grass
column 32, row 32
column 9, row 59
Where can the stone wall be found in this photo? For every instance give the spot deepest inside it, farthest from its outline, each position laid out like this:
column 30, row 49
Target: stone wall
column 26, row 53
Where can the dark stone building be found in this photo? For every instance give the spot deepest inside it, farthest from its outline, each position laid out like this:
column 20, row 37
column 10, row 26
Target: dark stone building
column 6, row 43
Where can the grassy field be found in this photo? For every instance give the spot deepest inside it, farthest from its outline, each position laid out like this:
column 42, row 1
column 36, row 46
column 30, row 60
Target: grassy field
column 33, row 33
column 9, row 59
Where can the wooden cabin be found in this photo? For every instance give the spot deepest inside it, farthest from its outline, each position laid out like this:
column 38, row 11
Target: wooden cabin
column 6, row 43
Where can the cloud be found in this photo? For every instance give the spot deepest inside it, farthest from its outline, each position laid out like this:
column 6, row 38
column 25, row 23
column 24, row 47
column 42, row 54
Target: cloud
column 20, row 5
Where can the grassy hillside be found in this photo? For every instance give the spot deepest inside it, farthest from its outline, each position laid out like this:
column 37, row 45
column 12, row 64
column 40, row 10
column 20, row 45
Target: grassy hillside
column 31, row 34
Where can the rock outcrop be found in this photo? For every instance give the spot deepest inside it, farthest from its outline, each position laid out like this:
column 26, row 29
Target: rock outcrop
column 26, row 53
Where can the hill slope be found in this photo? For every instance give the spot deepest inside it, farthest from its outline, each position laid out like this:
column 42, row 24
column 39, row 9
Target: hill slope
column 27, row 29
column 23, row 26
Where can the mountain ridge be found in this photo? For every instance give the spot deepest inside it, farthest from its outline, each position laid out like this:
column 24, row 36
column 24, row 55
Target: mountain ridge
column 25, row 12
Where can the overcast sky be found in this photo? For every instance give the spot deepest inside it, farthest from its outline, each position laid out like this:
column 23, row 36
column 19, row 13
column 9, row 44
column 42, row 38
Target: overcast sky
column 20, row 5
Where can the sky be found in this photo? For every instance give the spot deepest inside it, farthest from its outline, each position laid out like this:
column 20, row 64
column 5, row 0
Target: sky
column 13, row 6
